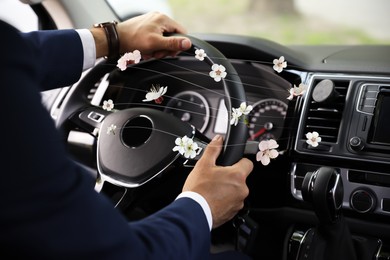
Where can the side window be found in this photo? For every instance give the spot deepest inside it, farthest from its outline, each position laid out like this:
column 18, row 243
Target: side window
column 19, row 15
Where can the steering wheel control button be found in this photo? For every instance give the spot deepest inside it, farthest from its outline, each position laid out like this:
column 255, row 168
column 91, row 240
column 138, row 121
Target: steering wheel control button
column 363, row 201
column 356, row 143
column 325, row 91
column 96, row 117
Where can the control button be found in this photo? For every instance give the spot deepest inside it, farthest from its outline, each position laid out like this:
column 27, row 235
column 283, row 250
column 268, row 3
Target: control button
column 356, row 143
column 386, row 205
column 363, row 201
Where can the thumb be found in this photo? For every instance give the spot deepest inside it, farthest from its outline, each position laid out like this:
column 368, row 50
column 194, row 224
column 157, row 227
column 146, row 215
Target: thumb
column 176, row 44
column 213, row 150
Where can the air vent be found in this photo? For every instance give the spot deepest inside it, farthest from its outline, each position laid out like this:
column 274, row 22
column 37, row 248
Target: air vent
column 325, row 117
column 96, row 93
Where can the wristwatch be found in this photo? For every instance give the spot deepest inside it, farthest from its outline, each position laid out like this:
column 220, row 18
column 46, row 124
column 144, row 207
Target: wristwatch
column 112, row 39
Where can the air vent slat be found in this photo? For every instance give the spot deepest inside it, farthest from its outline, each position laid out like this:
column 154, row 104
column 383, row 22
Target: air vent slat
column 325, row 117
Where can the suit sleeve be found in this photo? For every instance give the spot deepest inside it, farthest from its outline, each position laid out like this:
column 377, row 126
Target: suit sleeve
column 58, row 56
column 48, row 206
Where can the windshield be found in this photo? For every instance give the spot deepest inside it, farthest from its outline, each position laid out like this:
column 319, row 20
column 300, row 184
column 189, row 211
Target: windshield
column 290, row 21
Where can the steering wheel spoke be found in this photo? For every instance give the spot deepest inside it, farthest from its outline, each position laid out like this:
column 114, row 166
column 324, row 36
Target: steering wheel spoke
column 89, row 119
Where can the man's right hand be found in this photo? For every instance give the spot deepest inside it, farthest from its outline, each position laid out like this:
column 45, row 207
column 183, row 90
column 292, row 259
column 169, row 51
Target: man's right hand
column 224, row 188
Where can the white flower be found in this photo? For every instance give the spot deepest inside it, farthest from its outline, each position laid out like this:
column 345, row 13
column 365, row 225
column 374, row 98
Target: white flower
column 111, row 129
column 191, row 149
column 238, row 112
column 297, row 91
column 236, row 115
column 156, row 94
column 186, row 147
column 280, row 64
column 217, row 72
column 267, row 151
column 181, row 144
column 313, row 138
column 108, row 105
column 200, row 54
column 128, row 58
column 244, row 109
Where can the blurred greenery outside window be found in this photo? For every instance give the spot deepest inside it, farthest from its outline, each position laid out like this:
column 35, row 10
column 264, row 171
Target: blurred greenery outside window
column 290, row 22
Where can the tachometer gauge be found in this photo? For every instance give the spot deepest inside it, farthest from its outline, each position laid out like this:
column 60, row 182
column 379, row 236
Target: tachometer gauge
column 266, row 120
column 190, row 107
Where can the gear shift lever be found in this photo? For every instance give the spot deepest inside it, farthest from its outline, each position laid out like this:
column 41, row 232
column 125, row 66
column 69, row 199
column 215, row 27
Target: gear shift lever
column 324, row 189
column 331, row 239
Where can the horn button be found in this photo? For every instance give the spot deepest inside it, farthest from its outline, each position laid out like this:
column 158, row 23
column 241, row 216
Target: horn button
column 141, row 145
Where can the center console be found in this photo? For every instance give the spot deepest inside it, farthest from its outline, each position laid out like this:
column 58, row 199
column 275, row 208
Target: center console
column 352, row 116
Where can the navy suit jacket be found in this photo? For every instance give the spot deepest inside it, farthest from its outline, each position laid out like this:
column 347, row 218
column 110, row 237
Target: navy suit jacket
column 48, row 206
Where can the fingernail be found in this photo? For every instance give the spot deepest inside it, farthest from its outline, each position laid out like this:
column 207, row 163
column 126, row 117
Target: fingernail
column 216, row 138
column 185, row 44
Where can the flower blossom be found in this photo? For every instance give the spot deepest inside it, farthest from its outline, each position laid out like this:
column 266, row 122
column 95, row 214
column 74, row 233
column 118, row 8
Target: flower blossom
column 280, row 64
column 267, row 151
column 236, row 115
column 238, row 112
column 200, row 54
column 186, row 147
column 111, row 129
column 156, row 94
column 128, row 58
column 244, row 109
column 108, row 105
column 218, row 72
column 297, row 91
column 313, row 138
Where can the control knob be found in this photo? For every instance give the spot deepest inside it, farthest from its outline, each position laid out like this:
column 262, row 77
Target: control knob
column 356, row 143
column 363, row 201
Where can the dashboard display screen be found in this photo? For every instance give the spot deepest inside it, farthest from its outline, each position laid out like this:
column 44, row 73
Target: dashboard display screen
column 381, row 125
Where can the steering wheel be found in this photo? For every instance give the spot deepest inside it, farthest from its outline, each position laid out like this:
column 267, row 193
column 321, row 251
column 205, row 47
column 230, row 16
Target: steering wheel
column 140, row 148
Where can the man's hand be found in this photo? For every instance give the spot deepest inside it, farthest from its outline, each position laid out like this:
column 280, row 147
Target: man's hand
column 146, row 34
column 224, row 188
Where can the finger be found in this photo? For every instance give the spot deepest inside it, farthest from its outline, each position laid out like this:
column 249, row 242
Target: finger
column 245, row 166
column 175, row 43
column 213, row 150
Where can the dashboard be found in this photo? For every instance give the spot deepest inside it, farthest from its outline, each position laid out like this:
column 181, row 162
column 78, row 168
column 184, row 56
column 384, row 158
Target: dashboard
column 193, row 98
column 347, row 101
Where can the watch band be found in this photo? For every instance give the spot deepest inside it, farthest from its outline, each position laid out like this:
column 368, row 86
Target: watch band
column 112, row 39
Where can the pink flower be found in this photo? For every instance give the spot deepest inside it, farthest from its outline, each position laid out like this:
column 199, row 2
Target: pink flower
column 267, row 151
column 129, row 58
column 297, row 91
column 200, row 54
column 108, row 105
column 313, row 138
column 280, row 64
column 218, row 72
column 156, row 94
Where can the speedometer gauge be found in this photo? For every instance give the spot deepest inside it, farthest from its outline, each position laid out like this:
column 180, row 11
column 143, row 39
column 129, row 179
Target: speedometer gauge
column 266, row 120
column 191, row 107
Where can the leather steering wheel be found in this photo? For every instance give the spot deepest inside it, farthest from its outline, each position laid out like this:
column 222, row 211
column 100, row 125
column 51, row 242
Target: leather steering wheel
column 124, row 158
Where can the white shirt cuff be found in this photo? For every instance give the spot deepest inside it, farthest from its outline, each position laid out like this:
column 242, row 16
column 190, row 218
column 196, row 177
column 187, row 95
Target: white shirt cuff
column 89, row 48
column 202, row 202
